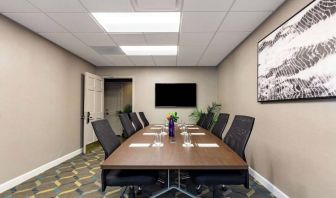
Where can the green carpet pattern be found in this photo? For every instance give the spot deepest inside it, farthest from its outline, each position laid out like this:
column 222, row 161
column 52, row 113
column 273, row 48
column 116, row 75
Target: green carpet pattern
column 80, row 177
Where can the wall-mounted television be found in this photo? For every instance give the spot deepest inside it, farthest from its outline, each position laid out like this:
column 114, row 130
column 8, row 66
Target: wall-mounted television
column 175, row 95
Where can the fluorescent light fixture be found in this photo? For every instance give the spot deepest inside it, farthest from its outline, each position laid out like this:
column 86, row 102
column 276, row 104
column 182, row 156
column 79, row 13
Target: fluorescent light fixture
column 139, row 21
column 150, row 50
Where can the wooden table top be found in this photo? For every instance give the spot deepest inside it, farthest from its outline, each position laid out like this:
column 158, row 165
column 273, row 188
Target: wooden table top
column 173, row 155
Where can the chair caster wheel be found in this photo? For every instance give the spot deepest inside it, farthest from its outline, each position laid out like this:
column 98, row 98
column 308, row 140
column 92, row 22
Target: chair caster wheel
column 199, row 189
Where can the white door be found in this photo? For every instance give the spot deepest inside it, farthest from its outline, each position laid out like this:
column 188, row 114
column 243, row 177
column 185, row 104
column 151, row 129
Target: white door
column 113, row 102
column 93, row 106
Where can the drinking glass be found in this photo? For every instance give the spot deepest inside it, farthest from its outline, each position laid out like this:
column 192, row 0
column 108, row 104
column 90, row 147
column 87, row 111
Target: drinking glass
column 187, row 139
column 157, row 139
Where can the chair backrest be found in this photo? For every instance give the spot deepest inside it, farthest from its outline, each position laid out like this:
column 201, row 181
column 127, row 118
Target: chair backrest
column 136, row 121
column 144, row 119
column 201, row 119
column 208, row 121
column 106, row 136
column 126, row 124
column 239, row 134
column 220, row 125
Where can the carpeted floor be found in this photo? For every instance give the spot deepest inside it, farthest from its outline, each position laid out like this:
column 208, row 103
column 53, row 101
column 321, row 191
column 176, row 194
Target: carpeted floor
column 80, row 177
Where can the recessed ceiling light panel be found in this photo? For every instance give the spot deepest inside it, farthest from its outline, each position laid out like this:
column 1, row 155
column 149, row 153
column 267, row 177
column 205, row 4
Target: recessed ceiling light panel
column 150, row 50
column 139, row 21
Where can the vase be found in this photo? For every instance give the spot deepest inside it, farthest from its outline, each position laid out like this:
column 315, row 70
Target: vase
column 171, row 127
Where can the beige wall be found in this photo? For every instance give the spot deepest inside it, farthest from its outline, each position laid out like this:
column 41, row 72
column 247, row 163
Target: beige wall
column 293, row 143
column 144, row 80
column 40, row 86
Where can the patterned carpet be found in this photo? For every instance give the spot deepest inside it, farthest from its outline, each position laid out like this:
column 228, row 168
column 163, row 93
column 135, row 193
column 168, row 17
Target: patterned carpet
column 80, row 177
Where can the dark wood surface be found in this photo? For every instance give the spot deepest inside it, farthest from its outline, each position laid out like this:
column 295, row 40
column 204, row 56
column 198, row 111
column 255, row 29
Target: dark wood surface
column 173, row 155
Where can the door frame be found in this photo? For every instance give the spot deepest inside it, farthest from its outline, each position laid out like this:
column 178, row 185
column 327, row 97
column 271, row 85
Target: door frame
column 123, row 77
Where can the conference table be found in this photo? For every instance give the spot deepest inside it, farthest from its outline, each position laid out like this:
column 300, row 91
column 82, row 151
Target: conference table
column 208, row 152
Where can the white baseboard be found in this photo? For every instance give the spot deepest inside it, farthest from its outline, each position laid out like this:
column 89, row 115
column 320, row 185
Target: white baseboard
column 267, row 184
column 24, row 177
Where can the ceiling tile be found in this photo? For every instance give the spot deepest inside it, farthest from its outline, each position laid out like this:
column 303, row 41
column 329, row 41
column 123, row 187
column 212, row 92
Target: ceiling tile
column 155, row 5
column 72, row 44
column 203, row 5
column 58, row 5
column 256, row 5
column 95, row 39
column 161, row 38
column 194, row 39
column 129, row 39
column 228, row 39
column 119, row 60
column 16, row 6
column 165, row 60
column 222, row 44
column 243, row 21
column 189, row 55
column 201, row 21
column 37, row 22
column 187, row 61
column 65, row 40
column 100, row 61
column 108, row 5
column 76, row 22
column 142, row 60
column 214, row 55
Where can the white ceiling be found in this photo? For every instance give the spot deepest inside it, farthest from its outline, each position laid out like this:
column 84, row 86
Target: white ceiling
column 209, row 30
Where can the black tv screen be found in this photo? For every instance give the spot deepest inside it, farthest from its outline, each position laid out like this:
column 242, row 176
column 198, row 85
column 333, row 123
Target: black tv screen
column 175, row 95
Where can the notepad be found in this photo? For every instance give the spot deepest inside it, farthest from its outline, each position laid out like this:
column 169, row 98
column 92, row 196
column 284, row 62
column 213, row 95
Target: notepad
column 148, row 133
column 187, row 145
column 158, row 125
column 197, row 133
column 193, row 128
column 189, row 125
column 155, row 128
column 157, row 145
column 139, row 145
column 211, row 145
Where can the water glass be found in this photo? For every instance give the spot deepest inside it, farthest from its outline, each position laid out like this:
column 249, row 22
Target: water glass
column 157, row 140
column 187, row 139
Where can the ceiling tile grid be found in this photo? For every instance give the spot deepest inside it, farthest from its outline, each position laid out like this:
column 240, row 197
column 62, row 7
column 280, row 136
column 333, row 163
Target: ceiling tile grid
column 209, row 30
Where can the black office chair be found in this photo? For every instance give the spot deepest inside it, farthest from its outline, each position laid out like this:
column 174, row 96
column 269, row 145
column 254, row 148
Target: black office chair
column 236, row 138
column 126, row 123
column 208, row 121
column 136, row 121
column 201, row 120
column 220, row 125
column 144, row 119
column 109, row 141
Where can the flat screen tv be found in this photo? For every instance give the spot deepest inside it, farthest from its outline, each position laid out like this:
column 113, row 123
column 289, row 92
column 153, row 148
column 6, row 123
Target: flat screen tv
column 175, row 95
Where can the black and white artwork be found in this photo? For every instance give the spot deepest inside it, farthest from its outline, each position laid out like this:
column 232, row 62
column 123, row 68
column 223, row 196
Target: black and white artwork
column 298, row 59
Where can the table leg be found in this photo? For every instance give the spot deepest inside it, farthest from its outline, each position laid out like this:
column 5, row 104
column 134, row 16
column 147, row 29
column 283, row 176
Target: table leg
column 169, row 188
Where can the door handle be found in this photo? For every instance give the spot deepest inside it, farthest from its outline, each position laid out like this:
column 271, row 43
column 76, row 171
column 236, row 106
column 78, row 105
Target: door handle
column 88, row 118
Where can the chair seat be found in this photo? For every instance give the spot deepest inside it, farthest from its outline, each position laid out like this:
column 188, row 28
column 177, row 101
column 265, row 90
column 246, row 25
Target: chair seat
column 131, row 177
column 217, row 177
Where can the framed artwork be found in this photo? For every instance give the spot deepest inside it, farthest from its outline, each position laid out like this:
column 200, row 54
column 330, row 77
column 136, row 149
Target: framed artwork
column 298, row 59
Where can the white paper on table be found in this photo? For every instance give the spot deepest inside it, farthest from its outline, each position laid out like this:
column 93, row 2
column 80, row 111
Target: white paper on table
column 139, row 145
column 157, row 145
column 211, row 145
column 189, row 125
column 193, row 128
column 149, row 134
column 158, row 125
column 188, row 145
column 155, row 128
column 197, row 133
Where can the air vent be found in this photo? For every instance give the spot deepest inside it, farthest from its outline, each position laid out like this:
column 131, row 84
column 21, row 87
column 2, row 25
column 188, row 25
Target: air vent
column 157, row 5
column 108, row 50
